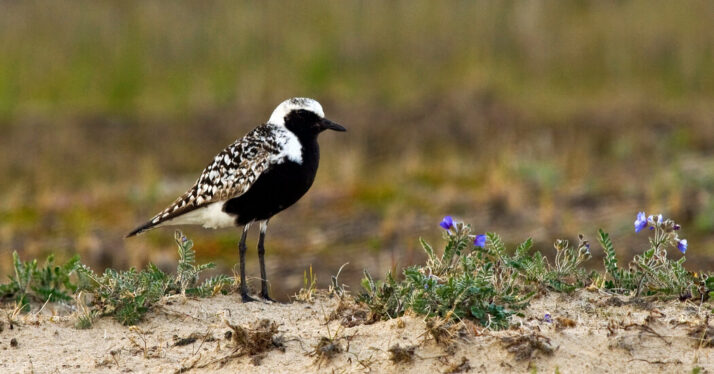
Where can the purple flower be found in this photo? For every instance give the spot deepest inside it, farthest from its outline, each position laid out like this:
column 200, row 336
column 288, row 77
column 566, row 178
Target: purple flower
column 682, row 245
column 447, row 223
column 677, row 227
column 652, row 220
column 480, row 241
column 547, row 318
column 430, row 281
column 640, row 222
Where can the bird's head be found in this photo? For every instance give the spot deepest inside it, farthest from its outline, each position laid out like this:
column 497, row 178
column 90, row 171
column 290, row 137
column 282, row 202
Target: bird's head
column 302, row 116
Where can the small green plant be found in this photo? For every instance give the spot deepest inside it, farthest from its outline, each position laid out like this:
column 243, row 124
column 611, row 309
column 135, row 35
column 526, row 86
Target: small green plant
column 652, row 273
column 565, row 275
column 33, row 283
column 476, row 277
column 128, row 295
column 187, row 272
column 472, row 278
column 707, row 287
column 620, row 280
column 482, row 281
column 309, row 287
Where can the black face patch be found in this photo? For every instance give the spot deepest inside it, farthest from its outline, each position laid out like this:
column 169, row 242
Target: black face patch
column 303, row 122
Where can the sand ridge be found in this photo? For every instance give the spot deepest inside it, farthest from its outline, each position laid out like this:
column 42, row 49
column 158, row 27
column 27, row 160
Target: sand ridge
column 586, row 332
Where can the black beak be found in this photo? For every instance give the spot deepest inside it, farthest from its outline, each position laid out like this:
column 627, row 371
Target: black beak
column 327, row 124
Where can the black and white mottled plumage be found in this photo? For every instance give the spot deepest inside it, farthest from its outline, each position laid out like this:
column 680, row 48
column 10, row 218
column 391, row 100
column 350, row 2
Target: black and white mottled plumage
column 232, row 172
column 254, row 178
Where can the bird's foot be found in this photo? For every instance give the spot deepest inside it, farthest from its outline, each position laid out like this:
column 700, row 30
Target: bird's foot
column 247, row 298
column 265, row 297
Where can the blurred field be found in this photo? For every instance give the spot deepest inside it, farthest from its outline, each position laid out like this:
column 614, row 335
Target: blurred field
column 542, row 119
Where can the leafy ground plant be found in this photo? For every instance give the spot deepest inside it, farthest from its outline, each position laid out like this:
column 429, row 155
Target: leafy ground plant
column 125, row 295
column 128, row 295
column 476, row 278
column 652, row 273
column 565, row 275
column 472, row 278
column 42, row 284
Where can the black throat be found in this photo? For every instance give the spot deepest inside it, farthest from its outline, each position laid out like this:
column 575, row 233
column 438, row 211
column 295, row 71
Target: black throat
column 310, row 153
column 305, row 125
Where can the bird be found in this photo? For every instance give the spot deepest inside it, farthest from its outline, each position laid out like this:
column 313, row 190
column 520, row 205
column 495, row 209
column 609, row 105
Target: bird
column 253, row 179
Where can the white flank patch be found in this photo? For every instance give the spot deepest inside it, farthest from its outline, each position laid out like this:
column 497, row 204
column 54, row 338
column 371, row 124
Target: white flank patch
column 296, row 103
column 211, row 216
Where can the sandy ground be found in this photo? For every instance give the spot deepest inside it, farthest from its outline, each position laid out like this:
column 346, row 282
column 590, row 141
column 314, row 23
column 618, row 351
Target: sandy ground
column 589, row 332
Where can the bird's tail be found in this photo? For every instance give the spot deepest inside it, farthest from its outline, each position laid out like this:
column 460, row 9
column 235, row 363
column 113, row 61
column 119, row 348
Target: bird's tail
column 145, row 227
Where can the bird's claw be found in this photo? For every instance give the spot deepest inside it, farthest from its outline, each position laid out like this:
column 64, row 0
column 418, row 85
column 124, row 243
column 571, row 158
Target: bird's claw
column 267, row 298
column 246, row 298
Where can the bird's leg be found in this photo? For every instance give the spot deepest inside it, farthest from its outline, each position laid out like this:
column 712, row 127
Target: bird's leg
column 242, row 248
column 261, row 255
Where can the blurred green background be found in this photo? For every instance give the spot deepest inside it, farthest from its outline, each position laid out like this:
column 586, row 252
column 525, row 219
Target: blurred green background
column 534, row 118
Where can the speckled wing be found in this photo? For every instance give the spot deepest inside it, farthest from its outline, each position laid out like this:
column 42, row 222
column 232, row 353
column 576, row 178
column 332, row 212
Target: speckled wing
column 231, row 173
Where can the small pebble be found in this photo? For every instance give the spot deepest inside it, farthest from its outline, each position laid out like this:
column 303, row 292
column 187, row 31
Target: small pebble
column 13, row 343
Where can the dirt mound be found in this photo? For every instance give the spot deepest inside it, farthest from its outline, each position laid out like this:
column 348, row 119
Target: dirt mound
column 585, row 332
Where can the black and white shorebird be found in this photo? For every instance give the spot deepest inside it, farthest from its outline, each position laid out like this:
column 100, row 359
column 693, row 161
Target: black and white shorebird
column 257, row 176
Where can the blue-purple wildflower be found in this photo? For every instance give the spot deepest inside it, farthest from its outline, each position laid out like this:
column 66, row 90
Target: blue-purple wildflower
column 640, row 222
column 431, row 280
column 447, row 223
column 653, row 220
column 547, row 319
column 480, row 241
column 587, row 248
column 682, row 245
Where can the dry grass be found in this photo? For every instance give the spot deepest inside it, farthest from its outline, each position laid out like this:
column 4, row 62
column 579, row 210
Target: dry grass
column 402, row 355
column 524, row 346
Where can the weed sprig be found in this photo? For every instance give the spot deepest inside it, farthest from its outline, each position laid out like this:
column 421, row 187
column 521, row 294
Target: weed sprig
column 652, row 273
column 33, row 283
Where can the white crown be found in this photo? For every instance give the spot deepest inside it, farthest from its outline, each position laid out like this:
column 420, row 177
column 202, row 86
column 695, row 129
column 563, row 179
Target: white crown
column 296, row 103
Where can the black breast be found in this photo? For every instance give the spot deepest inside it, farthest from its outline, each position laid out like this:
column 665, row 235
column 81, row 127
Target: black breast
column 277, row 188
